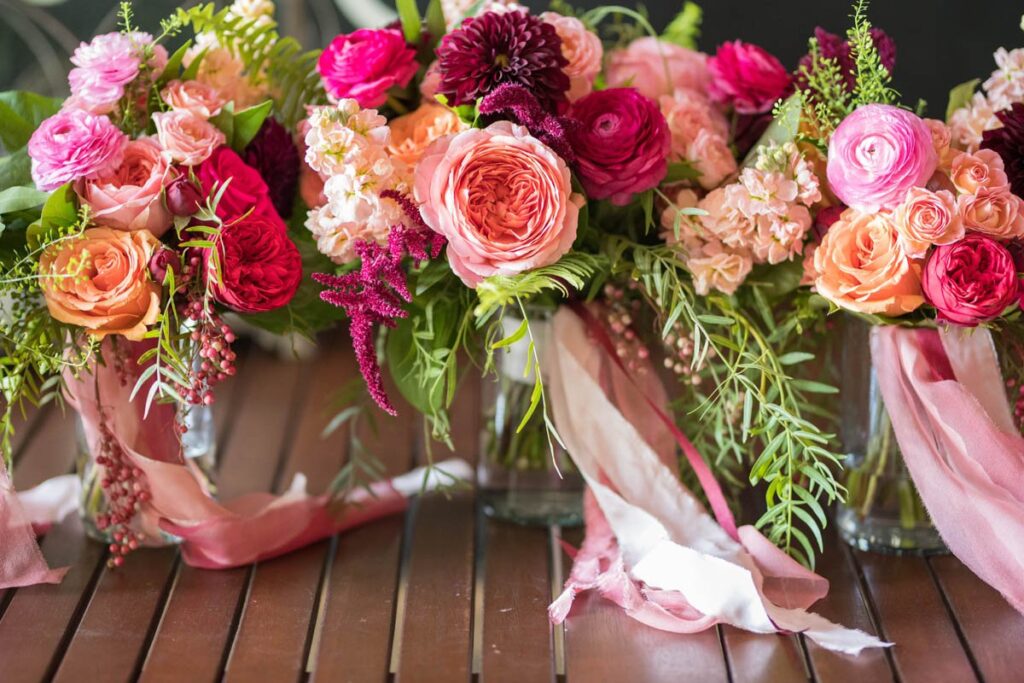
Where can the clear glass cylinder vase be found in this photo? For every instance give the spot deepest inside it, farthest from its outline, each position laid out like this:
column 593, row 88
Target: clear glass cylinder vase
column 883, row 511
column 524, row 476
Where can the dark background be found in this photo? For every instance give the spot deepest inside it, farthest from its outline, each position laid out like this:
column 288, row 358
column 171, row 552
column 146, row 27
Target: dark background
column 940, row 43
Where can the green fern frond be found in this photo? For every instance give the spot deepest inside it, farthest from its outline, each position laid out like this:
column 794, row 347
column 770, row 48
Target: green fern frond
column 570, row 274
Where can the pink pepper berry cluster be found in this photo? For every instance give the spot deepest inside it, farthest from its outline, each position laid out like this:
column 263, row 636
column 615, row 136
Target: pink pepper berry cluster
column 620, row 316
column 217, row 359
column 125, row 489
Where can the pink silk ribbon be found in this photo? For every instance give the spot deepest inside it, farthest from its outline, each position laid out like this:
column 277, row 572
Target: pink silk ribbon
column 650, row 546
column 946, row 399
column 21, row 561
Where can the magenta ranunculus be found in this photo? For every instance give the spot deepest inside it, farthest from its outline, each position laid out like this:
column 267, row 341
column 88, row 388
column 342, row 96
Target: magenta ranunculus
column 746, row 77
column 74, row 144
column 622, row 143
column 970, row 281
column 878, row 153
column 365, row 64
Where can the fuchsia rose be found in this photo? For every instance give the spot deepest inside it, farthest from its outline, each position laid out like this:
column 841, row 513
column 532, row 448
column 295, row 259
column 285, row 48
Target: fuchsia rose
column 971, row 281
column 74, row 144
column 186, row 138
column 246, row 191
column 501, row 198
column 622, row 143
column 130, row 196
column 878, row 153
column 657, row 68
column 746, row 77
column 365, row 64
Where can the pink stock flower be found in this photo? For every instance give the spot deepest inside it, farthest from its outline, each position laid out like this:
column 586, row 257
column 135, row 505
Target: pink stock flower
column 186, row 138
column 104, row 66
column 746, row 77
column 719, row 268
column 501, row 198
column 971, row 281
column 74, row 144
column 657, row 68
column 366, row 64
column 1006, row 84
column 969, row 123
column 622, row 143
column 688, row 112
column 878, row 153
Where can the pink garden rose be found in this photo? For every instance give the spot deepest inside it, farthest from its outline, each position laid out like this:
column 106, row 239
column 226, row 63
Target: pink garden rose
column 582, row 48
column 657, row 68
column 130, row 196
column 186, row 138
column 996, row 213
column 983, row 169
column 971, row 281
column 927, row 218
column 501, row 198
column 878, row 153
column 193, row 96
column 622, row 143
column 746, row 77
column 365, row 64
column 74, row 144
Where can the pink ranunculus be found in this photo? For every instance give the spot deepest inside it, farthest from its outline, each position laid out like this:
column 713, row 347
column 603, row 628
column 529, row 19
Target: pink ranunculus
column 194, row 96
column 130, row 196
column 622, row 143
column 501, row 198
column 746, row 77
column 657, row 68
column 186, row 138
column 971, row 281
column 103, row 67
column 365, row 64
column 878, row 153
column 582, row 47
column 74, row 144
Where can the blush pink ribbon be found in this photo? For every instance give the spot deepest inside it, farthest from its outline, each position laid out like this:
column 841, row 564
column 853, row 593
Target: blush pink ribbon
column 946, row 398
column 650, row 547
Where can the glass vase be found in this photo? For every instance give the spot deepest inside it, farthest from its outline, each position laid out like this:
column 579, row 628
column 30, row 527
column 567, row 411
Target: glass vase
column 524, row 476
column 883, row 511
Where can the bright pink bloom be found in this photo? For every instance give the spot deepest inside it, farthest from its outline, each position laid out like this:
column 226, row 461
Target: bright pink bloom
column 365, row 64
column 104, row 66
column 74, row 144
column 746, row 77
column 971, row 281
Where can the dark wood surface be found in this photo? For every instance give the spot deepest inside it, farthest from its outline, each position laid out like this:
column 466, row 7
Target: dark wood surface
column 442, row 594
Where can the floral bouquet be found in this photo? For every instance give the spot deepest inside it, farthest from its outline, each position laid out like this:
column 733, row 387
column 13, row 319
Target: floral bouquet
column 926, row 245
column 559, row 200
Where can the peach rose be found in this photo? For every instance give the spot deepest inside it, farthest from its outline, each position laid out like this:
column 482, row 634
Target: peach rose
column 502, row 198
column 100, row 281
column 926, row 218
column 861, row 266
column 997, row 213
column 194, row 96
column 712, row 157
column 131, row 196
column 413, row 133
column 983, row 169
column 942, row 137
column 582, row 48
column 186, row 138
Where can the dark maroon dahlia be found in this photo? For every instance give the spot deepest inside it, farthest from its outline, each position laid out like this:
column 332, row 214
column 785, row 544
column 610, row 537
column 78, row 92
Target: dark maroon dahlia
column 274, row 155
column 502, row 47
column 1008, row 143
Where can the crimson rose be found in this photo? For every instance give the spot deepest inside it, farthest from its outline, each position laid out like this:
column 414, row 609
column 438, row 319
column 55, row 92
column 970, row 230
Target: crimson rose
column 246, row 189
column 970, row 281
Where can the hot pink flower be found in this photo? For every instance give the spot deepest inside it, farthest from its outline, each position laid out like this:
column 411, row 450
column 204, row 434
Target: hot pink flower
column 502, row 199
column 971, row 281
column 878, row 153
column 746, row 77
column 104, row 66
column 657, row 68
column 622, row 143
column 74, row 144
column 365, row 64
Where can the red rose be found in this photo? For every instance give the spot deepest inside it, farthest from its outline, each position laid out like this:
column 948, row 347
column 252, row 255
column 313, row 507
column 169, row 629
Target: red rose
column 970, row 281
column 260, row 266
column 245, row 189
column 746, row 77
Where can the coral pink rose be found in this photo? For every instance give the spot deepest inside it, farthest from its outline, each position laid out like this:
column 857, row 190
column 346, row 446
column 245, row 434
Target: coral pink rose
column 413, row 133
column 996, row 213
column 861, row 266
column 582, row 48
column 502, row 199
column 100, row 281
column 657, row 68
column 927, row 218
column 942, row 138
column 74, row 144
column 982, row 170
column 130, row 196
column 971, row 281
column 878, row 153
column 186, row 138
column 193, row 96
column 365, row 64
column 746, row 77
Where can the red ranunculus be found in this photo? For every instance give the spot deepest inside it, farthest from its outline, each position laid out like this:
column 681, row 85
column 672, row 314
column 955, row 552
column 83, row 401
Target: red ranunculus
column 245, row 189
column 260, row 266
column 970, row 281
column 746, row 77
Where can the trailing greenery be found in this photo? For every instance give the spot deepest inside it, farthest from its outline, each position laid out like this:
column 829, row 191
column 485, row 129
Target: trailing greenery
column 874, row 82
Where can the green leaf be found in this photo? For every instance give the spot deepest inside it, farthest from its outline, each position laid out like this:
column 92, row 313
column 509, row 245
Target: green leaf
column 783, row 128
column 60, row 210
column 685, row 28
column 795, row 357
column 15, row 170
column 225, row 121
column 436, row 24
column 21, row 112
column 20, row 198
column 960, row 96
column 412, row 23
column 709, row 319
column 173, row 68
column 247, row 124
column 813, row 387
column 192, row 70
column 520, row 332
column 680, row 171
column 647, row 202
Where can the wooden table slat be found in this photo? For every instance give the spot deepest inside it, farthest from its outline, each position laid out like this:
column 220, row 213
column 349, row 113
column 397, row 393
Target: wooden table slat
column 757, row 657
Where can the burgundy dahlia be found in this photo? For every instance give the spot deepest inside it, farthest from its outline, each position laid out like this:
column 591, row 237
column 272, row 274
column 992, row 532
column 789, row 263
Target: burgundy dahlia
column 831, row 46
column 273, row 153
column 505, row 47
column 1008, row 143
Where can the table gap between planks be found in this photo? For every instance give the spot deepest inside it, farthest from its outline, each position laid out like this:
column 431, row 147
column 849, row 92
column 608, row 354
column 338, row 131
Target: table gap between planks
column 443, row 594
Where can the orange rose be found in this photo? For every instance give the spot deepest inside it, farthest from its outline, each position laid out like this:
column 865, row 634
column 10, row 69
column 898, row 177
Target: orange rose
column 861, row 266
column 412, row 133
column 100, row 281
column 997, row 213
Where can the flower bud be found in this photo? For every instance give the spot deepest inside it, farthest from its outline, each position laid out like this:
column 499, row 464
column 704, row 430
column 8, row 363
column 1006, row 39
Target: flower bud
column 183, row 196
column 161, row 260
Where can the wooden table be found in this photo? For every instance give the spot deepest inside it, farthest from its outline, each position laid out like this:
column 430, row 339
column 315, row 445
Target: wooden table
column 442, row 594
